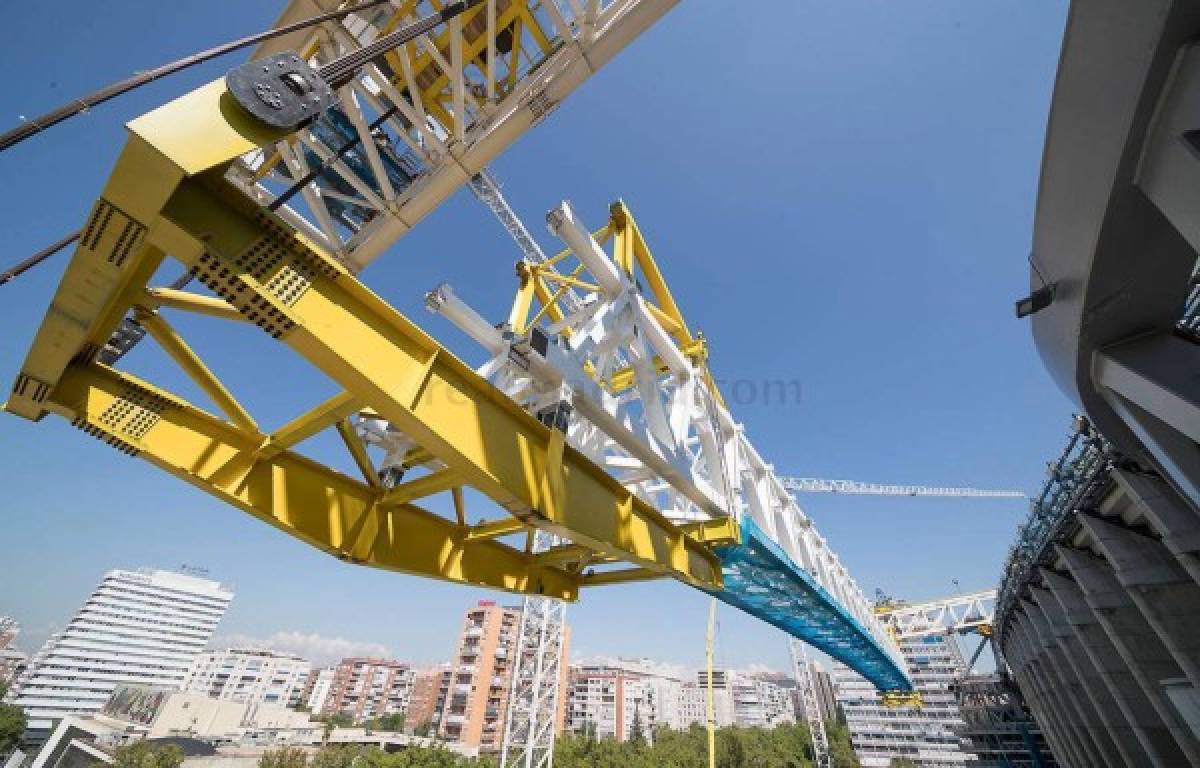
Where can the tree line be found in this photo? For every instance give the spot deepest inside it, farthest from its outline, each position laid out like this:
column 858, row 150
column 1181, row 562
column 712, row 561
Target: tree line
column 785, row 746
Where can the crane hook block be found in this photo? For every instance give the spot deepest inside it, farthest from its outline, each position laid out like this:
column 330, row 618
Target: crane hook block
column 282, row 90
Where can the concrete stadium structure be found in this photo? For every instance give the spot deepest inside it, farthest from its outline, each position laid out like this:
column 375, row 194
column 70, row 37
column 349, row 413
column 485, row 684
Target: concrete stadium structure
column 1100, row 605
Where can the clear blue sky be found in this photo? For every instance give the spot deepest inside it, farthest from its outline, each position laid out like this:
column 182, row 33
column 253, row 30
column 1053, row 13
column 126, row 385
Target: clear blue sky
column 841, row 193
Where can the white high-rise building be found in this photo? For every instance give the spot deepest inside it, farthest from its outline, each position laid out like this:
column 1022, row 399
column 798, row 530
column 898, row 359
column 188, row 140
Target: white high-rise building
column 251, row 675
column 137, row 628
column 317, row 689
column 927, row 736
column 760, row 703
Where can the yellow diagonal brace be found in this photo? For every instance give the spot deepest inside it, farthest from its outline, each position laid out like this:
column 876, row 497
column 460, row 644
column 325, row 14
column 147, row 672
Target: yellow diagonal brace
column 162, row 332
column 495, row 528
column 325, row 508
column 308, row 424
column 358, row 452
column 437, row 400
column 435, row 482
column 190, row 302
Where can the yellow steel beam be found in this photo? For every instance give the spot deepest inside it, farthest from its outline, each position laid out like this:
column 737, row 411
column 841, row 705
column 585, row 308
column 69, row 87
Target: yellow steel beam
column 161, row 331
column 721, row 530
column 168, row 195
column 621, row 217
column 324, row 508
column 460, row 505
column 624, row 378
column 569, row 280
column 527, row 285
column 901, row 699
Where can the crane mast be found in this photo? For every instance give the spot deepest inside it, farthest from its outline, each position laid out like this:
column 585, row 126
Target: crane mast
column 535, row 692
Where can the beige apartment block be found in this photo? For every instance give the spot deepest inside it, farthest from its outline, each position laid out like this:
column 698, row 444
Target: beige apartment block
column 368, row 688
column 474, row 695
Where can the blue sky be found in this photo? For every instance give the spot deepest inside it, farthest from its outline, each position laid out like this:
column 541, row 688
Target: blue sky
column 840, row 194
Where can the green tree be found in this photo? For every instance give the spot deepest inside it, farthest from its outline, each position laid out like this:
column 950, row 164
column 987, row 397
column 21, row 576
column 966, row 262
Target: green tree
column 284, row 757
column 392, row 722
column 147, row 754
column 12, row 725
column 901, row 762
column 637, row 736
column 336, row 720
column 330, row 756
column 840, row 748
column 785, row 746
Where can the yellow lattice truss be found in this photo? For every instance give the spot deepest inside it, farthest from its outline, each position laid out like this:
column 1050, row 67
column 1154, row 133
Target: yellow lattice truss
column 167, row 197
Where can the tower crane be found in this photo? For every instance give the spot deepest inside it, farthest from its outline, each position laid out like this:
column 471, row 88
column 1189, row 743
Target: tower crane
column 854, row 487
column 535, row 690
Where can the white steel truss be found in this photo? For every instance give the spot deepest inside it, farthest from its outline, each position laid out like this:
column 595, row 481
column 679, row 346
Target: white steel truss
column 822, row 757
column 974, row 612
column 432, row 115
column 819, row 485
column 667, row 435
column 535, row 696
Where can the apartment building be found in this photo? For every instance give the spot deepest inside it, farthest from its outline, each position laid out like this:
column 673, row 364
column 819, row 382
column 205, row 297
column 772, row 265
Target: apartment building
column 473, row 693
column 607, row 698
column 722, row 695
column 137, row 627
column 316, row 689
column 12, row 661
column 760, row 703
column 422, row 703
column 369, row 688
column 251, row 675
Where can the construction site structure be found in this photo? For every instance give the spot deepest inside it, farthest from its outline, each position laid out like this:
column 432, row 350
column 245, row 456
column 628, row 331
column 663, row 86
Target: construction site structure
column 927, row 731
column 595, row 419
column 927, row 734
column 959, row 715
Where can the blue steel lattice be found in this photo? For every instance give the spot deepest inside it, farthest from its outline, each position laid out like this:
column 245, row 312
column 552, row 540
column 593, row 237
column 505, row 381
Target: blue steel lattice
column 762, row 580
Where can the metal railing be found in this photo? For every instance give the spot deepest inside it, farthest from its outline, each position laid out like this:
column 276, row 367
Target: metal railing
column 1074, row 481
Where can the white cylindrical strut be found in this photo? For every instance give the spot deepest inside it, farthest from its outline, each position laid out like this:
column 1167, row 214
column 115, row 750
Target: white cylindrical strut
column 443, row 301
column 660, row 340
column 562, row 224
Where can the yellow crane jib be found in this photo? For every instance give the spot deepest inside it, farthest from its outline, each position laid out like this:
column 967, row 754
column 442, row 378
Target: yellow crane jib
column 168, row 196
